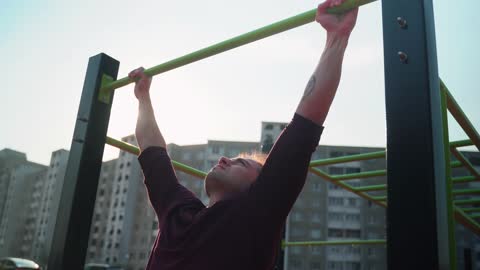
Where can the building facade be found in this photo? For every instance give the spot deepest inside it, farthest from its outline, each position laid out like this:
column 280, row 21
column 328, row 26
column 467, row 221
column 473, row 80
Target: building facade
column 19, row 178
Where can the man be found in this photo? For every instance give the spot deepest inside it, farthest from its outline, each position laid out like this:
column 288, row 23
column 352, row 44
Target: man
column 241, row 227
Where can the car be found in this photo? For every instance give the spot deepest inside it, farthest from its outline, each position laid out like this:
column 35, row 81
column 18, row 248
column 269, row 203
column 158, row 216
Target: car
column 10, row 263
column 100, row 266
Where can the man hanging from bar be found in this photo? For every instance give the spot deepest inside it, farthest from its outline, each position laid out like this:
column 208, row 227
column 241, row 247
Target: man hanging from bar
column 249, row 201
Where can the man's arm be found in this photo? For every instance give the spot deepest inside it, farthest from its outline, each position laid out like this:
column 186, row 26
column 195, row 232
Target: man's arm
column 321, row 88
column 147, row 131
column 283, row 176
column 162, row 185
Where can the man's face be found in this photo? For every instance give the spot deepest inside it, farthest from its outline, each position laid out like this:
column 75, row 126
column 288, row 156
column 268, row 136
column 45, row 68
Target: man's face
column 232, row 175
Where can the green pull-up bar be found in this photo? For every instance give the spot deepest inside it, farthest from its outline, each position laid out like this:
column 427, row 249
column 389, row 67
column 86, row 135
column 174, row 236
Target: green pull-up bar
column 260, row 33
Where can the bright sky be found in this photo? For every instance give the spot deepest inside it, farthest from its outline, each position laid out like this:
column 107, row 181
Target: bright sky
column 45, row 46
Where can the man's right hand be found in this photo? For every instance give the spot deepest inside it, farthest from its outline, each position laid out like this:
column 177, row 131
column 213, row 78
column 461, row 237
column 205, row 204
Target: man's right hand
column 336, row 24
column 142, row 82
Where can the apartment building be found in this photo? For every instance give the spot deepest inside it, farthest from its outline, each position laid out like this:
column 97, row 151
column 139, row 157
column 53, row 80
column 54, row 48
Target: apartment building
column 49, row 200
column 18, row 178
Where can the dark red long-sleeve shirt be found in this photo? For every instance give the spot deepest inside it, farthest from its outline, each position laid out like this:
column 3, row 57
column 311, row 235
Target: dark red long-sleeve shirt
column 242, row 232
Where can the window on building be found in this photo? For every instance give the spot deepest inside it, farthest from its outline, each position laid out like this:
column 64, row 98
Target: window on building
column 298, row 232
column 372, row 235
column 335, row 201
column 121, row 165
column 371, row 252
column 335, row 216
column 268, row 127
column 297, row 216
column 117, row 245
column 352, row 170
column 315, row 249
column 295, row 264
column 332, row 265
column 352, row 233
column 335, row 232
column 215, row 149
column 335, row 170
column 372, row 219
column 317, row 187
column 155, row 225
column 352, row 266
column 352, row 202
column 352, row 217
column 334, row 250
column 296, row 249
column 334, row 154
column 315, row 266
column 332, row 186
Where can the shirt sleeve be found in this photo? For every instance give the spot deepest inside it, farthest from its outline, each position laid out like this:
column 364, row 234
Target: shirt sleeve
column 161, row 182
column 284, row 173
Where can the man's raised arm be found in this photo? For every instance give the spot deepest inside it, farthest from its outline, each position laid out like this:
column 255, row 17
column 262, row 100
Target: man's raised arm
column 321, row 88
column 147, row 131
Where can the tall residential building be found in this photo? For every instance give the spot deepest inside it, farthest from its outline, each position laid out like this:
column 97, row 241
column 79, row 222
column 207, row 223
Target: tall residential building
column 124, row 224
column 49, row 201
column 9, row 159
column 19, row 179
column 326, row 212
column 98, row 229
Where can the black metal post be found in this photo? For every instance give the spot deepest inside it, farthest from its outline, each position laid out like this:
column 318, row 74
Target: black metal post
column 72, row 228
column 467, row 259
column 417, row 223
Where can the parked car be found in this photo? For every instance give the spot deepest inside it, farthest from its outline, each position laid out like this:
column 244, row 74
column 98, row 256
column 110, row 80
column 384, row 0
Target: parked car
column 10, row 263
column 100, row 266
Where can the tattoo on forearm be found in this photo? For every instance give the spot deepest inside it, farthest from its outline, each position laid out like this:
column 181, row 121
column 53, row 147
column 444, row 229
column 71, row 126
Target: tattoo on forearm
column 310, row 87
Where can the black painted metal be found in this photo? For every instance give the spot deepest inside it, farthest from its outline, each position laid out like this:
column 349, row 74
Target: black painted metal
column 417, row 224
column 467, row 259
column 70, row 240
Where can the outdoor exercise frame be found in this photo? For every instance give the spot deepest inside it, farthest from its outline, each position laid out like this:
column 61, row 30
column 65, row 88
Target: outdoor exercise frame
column 421, row 227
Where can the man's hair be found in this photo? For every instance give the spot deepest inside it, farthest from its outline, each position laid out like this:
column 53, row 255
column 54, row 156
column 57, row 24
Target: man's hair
column 257, row 156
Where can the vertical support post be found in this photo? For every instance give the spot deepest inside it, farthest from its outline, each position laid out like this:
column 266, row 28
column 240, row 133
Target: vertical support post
column 449, row 182
column 417, row 219
column 467, row 259
column 72, row 228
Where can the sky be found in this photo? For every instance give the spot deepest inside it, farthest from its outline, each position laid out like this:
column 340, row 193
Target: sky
column 45, row 46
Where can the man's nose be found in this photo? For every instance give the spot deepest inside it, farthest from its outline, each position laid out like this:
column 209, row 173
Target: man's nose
column 224, row 160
